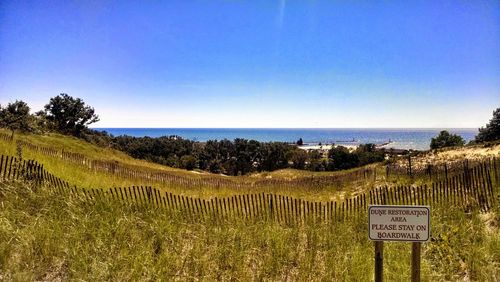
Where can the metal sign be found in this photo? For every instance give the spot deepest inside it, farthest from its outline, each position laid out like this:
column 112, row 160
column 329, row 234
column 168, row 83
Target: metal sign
column 399, row 223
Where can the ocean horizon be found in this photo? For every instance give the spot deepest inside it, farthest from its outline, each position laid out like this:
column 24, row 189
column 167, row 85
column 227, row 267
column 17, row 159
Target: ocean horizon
column 398, row 138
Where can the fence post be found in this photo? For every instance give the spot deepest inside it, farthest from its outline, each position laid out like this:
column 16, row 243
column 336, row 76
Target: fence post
column 271, row 207
column 1, row 166
column 409, row 165
column 10, row 167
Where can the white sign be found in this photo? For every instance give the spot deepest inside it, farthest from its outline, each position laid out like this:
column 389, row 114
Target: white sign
column 399, row 223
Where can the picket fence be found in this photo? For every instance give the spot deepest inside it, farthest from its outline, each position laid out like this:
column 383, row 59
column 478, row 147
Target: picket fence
column 475, row 188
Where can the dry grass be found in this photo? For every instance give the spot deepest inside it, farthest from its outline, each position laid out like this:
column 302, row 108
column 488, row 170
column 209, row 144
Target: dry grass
column 49, row 237
column 44, row 236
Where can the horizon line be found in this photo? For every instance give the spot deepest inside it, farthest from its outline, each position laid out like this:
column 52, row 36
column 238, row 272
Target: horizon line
column 475, row 128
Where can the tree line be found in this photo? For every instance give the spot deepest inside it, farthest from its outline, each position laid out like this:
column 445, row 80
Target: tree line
column 242, row 156
column 63, row 114
column 71, row 116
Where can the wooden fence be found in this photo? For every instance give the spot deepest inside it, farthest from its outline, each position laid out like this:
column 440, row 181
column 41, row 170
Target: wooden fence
column 6, row 137
column 12, row 168
column 171, row 178
column 474, row 188
column 435, row 172
column 432, row 172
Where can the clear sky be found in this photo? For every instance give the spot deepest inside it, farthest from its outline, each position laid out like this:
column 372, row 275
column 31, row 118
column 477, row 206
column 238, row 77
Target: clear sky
column 257, row 63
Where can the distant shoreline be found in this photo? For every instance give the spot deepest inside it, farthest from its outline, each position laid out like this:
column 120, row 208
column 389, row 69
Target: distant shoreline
column 351, row 147
column 298, row 128
column 402, row 138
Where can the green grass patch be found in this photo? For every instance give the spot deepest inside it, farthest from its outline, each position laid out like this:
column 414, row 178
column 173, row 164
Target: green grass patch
column 44, row 236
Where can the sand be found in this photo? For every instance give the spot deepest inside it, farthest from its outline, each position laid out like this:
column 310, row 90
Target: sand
column 326, row 147
column 449, row 155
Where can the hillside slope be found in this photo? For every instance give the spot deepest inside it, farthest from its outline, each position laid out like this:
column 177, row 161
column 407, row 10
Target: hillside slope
column 44, row 236
column 86, row 165
column 89, row 166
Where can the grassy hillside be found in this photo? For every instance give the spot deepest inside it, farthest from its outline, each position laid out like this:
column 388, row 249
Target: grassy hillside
column 75, row 145
column 78, row 175
column 48, row 237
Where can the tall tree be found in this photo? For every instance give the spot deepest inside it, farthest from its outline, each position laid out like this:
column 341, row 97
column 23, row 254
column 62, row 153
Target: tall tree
column 16, row 116
column 69, row 115
column 492, row 130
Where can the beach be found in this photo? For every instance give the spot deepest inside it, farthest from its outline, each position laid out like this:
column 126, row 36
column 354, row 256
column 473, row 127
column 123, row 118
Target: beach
column 326, row 147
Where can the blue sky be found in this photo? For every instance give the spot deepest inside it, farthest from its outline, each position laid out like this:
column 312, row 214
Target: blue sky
column 257, row 63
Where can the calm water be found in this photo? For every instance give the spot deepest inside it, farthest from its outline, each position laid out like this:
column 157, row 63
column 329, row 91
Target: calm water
column 418, row 139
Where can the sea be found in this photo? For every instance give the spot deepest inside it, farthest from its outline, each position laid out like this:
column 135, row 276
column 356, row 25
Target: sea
column 402, row 138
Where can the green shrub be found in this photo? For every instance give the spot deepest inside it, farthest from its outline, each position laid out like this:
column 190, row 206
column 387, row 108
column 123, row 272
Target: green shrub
column 445, row 139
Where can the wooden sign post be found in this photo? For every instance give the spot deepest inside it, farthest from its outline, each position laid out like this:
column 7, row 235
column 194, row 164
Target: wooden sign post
column 398, row 223
column 379, row 261
column 415, row 261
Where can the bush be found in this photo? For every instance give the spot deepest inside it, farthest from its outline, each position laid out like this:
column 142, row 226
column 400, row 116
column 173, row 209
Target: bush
column 368, row 154
column 445, row 139
column 188, row 162
column 340, row 158
column 298, row 157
